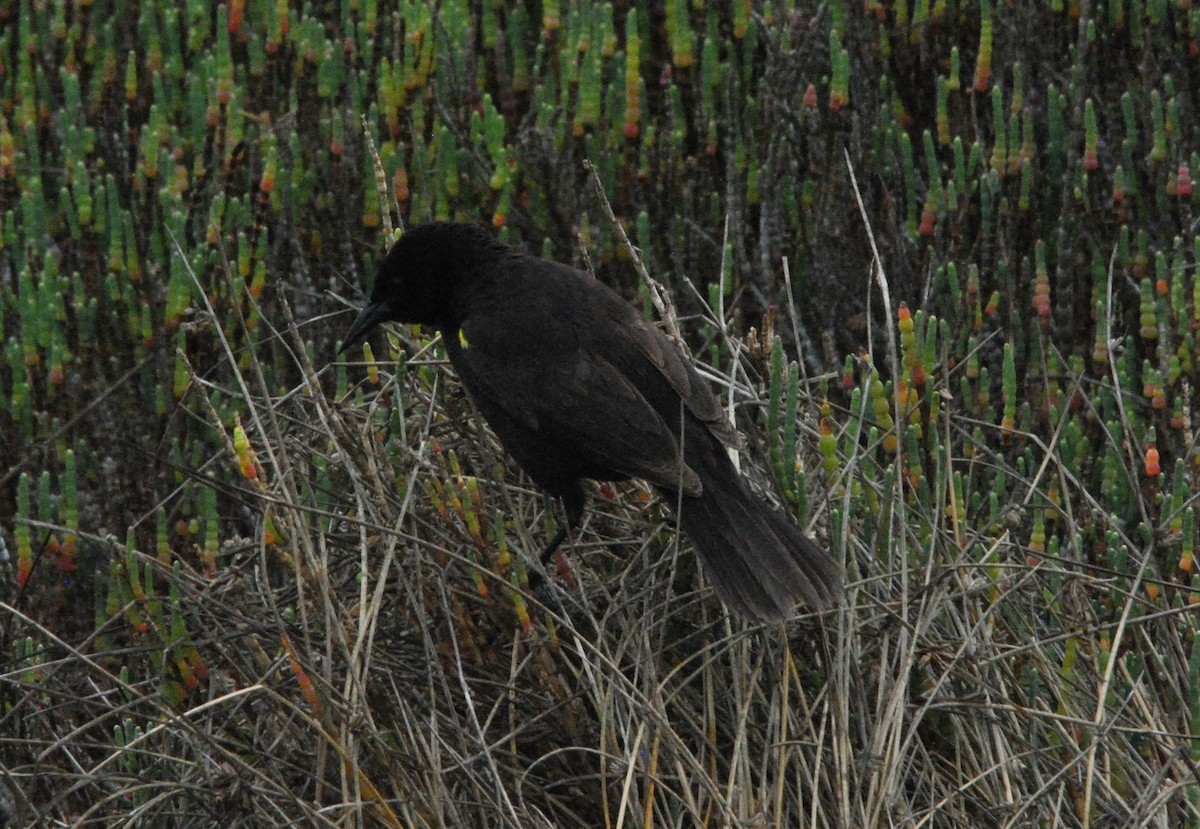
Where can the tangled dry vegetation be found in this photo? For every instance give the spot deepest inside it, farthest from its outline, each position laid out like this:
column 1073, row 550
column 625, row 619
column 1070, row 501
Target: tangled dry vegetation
column 373, row 653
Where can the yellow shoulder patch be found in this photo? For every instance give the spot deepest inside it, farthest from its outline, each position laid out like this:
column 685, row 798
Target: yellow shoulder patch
column 462, row 339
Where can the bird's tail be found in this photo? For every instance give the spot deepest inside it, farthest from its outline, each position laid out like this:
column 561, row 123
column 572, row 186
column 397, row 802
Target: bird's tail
column 758, row 561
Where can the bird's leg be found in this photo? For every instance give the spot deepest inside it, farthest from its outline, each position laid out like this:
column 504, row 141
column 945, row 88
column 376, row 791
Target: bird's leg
column 573, row 501
column 555, row 543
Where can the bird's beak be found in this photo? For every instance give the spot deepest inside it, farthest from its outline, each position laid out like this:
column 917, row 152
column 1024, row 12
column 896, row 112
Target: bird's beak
column 367, row 319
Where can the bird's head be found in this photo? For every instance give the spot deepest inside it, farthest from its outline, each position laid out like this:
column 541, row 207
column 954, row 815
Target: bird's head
column 416, row 281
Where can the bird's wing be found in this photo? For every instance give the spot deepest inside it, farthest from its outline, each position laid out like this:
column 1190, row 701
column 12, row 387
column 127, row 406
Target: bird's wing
column 581, row 405
column 672, row 364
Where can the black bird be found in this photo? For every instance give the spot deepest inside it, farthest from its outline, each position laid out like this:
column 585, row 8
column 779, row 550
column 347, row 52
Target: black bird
column 577, row 384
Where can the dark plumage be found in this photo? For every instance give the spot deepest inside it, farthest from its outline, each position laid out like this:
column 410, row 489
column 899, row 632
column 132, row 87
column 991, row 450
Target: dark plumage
column 576, row 384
